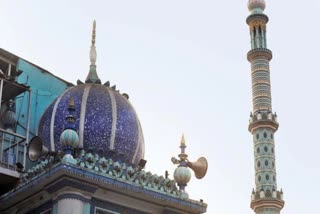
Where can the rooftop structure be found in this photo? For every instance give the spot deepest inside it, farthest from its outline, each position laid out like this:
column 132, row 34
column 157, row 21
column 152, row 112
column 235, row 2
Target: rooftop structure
column 86, row 156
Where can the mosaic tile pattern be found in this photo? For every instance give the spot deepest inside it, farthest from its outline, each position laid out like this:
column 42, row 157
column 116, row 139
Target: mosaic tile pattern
column 142, row 183
column 98, row 118
column 127, row 127
column 61, row 113
column 98, row 124
column 44, row 124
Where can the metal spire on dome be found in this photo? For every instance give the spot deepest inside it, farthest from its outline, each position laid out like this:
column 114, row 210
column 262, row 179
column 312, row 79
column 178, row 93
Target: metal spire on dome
column 183, row 141
column 93, row 76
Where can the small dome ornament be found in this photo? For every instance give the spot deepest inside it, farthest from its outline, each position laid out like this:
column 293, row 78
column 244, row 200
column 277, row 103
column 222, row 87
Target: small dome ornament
column 182, row 175
column 69, row 138
column 256, row 6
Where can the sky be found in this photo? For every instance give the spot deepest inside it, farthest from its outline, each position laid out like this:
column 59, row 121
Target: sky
column 184, row 65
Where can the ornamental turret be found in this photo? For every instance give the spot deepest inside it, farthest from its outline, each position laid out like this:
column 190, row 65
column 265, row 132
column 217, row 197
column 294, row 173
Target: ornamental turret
column 263, row 123
column 69, row 137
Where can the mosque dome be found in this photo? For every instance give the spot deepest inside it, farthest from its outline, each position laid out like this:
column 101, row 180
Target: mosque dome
column 104, row 118
column 256, row 5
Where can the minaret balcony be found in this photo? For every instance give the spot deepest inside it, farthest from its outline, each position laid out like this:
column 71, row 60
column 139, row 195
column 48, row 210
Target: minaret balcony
column 257, row 17
column 259, row 53
column 267, row 199
column 267, row 195
column 263, row 120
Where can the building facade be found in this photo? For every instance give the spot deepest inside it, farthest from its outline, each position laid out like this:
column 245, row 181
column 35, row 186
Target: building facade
column 86, row 149
column 25, row 94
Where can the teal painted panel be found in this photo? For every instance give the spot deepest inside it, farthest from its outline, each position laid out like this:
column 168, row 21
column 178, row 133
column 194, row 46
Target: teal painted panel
column 45, row 88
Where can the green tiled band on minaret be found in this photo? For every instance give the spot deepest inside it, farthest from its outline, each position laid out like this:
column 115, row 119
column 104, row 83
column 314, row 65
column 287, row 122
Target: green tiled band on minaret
column 265, row 198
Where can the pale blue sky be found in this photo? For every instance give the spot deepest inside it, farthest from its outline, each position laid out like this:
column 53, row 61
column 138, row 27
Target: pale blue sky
column 184, row 65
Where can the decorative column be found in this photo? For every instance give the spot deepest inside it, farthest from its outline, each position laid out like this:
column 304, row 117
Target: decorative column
column 263, row 122
column 69, row 202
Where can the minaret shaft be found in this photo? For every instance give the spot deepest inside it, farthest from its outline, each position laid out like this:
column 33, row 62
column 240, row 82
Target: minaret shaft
column 263, row 122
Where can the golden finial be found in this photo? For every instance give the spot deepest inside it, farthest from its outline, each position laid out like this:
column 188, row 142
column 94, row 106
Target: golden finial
column 71, row 103
column 183, row 141
column 93, row 41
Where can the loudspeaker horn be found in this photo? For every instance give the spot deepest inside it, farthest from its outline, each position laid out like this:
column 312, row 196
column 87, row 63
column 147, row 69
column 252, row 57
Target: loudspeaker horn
column 36, row 149
column 199, row 167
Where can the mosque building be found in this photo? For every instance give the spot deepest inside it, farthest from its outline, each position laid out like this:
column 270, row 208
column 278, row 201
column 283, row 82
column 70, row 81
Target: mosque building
column 68, row 148
column 79, row 148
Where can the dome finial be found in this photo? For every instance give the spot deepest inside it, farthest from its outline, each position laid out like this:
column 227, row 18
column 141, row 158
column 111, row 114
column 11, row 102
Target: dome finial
column 71, row 103
column 70, row 118
column 93, row 76
column 93, row 41
column 183, row 141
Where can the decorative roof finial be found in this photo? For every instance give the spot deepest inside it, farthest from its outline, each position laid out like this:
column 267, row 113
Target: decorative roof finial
column 93, row 53
column 71, row 103
column 183, row 141
column 69, row 138
column 93, row 76
column 182, row 174
column 70, row 118
column 93, row 41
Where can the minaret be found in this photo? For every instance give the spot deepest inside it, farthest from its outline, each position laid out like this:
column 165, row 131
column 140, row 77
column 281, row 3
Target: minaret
column 263, row 122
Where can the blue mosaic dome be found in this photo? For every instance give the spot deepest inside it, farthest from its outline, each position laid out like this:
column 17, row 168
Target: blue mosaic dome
column 105, row 119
